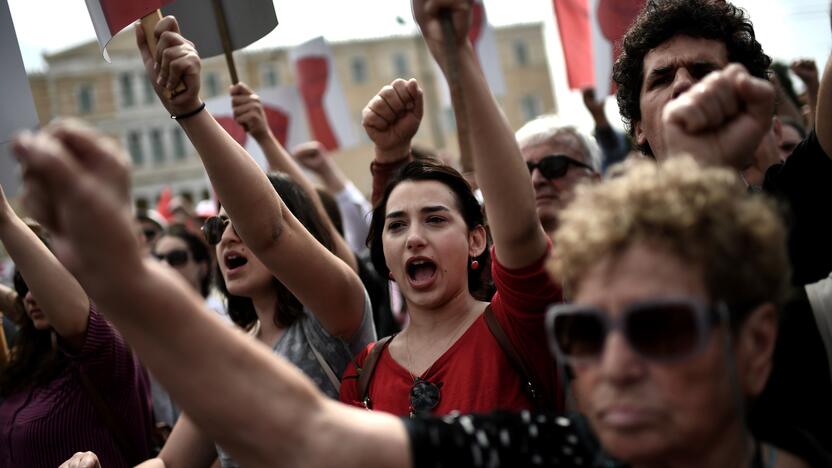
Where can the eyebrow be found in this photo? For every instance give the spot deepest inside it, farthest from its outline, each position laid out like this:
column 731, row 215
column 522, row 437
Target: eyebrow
column 424, row 210
column 695, row 64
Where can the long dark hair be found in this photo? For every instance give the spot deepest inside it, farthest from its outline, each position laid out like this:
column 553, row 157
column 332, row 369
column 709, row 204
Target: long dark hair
column 34, row 360
column 424, row 170
column 289, row 309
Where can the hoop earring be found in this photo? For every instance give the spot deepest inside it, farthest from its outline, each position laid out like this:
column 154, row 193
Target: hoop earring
column 475, row 265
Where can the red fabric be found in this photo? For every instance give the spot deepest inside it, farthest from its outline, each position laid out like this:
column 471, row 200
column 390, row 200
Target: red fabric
column 313, row 76
column 237, row 132
column 120, row 13
column 278, row 122
column 615, row 17
column 163, row 205
column 576, row 37
column 475, row 373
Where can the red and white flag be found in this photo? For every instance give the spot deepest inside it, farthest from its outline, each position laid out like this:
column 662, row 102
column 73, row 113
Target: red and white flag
column 591, row 33
column 109, row 17
column 284, row 110
column 326, row 106
column 484, row 40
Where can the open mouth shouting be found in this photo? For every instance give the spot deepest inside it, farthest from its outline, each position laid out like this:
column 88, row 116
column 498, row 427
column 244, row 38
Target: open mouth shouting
column 421, row 272
column 234, row 262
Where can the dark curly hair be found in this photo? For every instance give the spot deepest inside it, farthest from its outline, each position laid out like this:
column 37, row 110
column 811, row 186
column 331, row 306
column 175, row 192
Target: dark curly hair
column 289, row 308
column 425, row 169
column 661, row 20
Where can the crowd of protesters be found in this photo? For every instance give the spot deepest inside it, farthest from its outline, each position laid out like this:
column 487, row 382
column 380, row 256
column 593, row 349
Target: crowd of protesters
column 659, row 297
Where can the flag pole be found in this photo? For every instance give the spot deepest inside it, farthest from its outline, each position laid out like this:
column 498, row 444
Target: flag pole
column 149, row 22
column 457, row 95
column 222, row 25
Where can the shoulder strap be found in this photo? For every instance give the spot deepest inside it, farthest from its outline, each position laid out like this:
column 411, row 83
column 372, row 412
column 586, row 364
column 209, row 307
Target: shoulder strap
column 108, row 418
column 365, row 374
column 530, row 388
column 330, row 374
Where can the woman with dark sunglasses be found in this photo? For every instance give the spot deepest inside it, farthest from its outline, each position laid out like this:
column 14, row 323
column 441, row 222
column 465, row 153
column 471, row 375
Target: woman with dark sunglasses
column 67, row 368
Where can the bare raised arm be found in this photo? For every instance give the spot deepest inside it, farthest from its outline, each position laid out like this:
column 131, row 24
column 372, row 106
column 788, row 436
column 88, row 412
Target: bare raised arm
column 391, row 120
column 260, row 217
column 248, row 111
column 499, row 168
column 277, row 414
column 58, row 294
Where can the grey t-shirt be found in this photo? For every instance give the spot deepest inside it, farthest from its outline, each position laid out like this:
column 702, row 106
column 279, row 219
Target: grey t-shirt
column 296, row 346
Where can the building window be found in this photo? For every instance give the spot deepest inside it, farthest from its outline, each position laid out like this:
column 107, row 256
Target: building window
column 358, row 68
column 212, row 84
column 125, row 82
column 149, row 92
column 179, row 151
column 134, row 146
column 400, row 67
column 86, row 99
column 521, row 54
column 530, row 107
column 268, row 76
column 157, row 146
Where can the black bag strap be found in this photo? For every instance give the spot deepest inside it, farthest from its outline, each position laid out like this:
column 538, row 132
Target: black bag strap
column 108, row 418
column 529, row 387
column 365, row 374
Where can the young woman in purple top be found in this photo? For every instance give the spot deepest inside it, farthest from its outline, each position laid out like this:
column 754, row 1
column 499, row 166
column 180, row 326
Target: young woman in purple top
column 68, row 367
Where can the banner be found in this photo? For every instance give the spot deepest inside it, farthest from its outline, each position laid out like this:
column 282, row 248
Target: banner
column 18, row 111
column 591, row 33
column 109, row 17
column 247, row 21
column 284, row 111
column 326, row 106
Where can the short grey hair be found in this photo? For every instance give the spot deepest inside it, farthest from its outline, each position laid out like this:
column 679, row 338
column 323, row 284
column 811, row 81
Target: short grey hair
column 548, row 128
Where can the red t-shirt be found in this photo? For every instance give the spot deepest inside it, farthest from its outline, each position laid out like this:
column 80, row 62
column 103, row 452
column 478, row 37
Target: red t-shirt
column 476, row 375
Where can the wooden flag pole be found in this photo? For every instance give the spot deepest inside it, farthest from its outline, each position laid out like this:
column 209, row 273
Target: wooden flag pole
column 222, row 26
column 149, row 23
column 457, row 94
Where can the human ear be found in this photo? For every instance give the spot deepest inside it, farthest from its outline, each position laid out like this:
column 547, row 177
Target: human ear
column 477, row 240
column 755, row 348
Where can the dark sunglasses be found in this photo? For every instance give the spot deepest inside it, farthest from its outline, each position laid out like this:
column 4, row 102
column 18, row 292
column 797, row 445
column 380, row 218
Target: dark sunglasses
column 213, row 228
column 424, row 396
column 175, row 258
column 663, row 330
column 555, row 166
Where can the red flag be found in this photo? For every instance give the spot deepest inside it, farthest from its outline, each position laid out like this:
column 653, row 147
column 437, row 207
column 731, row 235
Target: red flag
column 285, row 114
column 313, row 73
column 326, row 105
column 163, row 205
column 591, row 33
column 109, row 17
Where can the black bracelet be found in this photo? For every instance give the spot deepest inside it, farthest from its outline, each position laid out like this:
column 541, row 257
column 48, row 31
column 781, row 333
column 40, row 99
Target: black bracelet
column 189, row 114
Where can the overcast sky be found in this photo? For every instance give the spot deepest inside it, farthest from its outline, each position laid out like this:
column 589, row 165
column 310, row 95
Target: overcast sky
column 787, row 29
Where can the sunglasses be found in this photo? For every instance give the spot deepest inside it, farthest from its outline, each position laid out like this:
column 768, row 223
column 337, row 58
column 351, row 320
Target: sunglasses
column 174, row 258
column 554, row 166
column 662, row 330
column 213, row 228
column 424, row 396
